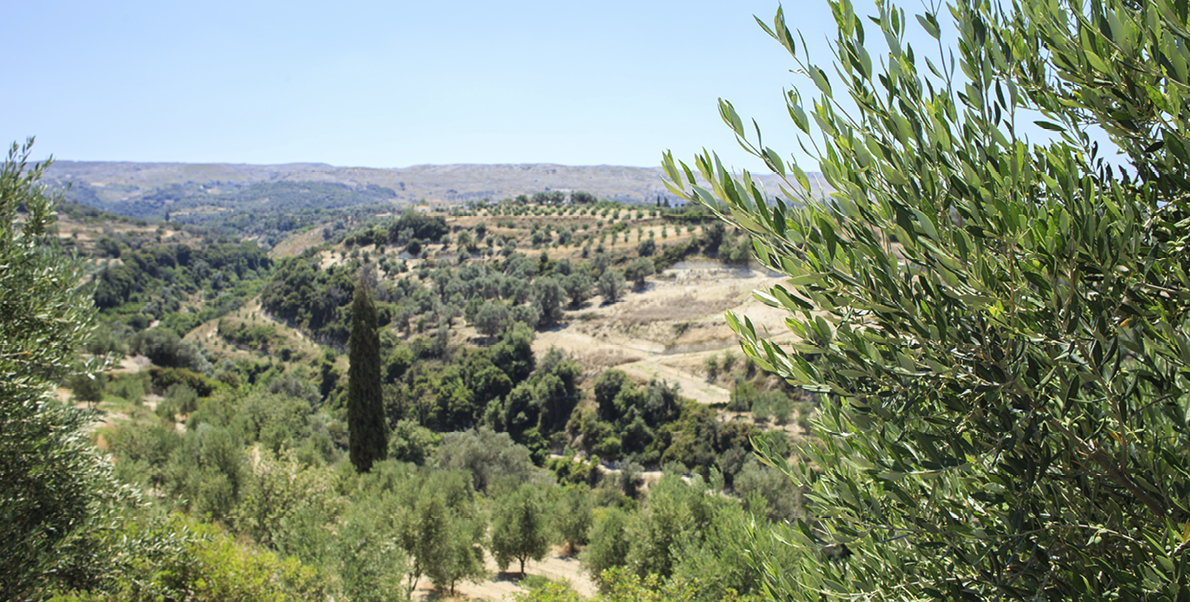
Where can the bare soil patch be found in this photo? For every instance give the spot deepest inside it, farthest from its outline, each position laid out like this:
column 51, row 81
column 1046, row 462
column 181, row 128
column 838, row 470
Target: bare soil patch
column 556, row 566
column 297, row 243
column 668, row 330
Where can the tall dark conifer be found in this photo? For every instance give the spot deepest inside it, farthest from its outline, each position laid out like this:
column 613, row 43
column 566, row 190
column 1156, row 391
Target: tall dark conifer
column 365, row 402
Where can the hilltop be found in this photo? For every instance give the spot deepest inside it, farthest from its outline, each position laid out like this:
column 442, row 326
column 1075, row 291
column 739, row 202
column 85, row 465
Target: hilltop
column 140, row 189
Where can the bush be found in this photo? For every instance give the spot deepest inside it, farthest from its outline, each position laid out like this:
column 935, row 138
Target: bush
column 609, row 543
column 165, row 349
column 164, row 378
column 182, row 397
column 208, row 470
column 183, row 559
column 768, row 490
column 489, row 457
column 411, row 442
column 129, row 387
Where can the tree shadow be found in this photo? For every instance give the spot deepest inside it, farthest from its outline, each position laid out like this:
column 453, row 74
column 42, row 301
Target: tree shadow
column 558, row 326
column 509, row 577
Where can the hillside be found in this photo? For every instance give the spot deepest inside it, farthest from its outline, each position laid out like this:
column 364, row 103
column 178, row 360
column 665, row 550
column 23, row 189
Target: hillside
column 118, row 186
column 569, row 357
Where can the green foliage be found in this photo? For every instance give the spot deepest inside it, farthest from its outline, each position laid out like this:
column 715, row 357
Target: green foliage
column 285, row 504
column 208, row 470
column 673, row 510
column 1007, row 384
column 569, row 470
column 638, row 270
column 578, row 286
column 57, row 491
column 276, row 420
column 610, row 285
column 489, row 457
column 155, row 277
column 430, row 516
column 686, row 539
column 142, row 449
column 623, row 586
column 734, row 251
column 582, row 197
column 129, row 387
column 519, row 527
column 492, row 318
column 411, row 442
column 164, row 378
column 166, row 349
column 182, row 398
column 779, row 403
column 514, row 354
column 303, row 294
column 547, row 296
column 646, row 247
column 460, row 557
column 181, row 559
column 370, row 559
column 260, row 336
column 609, row 543
column 757, row 483
column 87, row 387
column 572, row 516
column 714, row 559
column 711, row 365
column 366, row 421
column 414, row 225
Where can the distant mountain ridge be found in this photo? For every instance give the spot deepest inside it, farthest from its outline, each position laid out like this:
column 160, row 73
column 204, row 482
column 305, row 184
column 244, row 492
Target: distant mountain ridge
column 112, row 184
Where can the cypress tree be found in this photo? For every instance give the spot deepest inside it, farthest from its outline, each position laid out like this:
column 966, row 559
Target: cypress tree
column 366, row 423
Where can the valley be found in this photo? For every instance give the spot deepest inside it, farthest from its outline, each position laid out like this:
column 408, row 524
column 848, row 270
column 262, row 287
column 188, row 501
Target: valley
column 582, row 339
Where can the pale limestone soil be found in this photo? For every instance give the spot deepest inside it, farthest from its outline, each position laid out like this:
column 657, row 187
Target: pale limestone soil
column 556, row 566
column 669, row 329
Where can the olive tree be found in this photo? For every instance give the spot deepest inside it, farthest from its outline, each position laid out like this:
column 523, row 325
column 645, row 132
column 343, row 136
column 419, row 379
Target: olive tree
column 997, row 326
column 55, row 488
column 611, row 285
column 519, row 527
column 638, row 270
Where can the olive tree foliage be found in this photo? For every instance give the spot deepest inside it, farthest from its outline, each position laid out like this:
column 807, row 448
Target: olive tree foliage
column 519, row 527
column 441, row 530
column 490, row 457
column 997, row 326
column 611, row 286
column 55, row 488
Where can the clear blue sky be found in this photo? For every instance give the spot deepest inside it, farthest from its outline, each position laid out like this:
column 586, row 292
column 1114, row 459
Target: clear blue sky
column 393, row 84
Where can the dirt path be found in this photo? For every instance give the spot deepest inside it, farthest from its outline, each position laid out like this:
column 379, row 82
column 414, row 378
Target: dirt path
column 555, row 566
